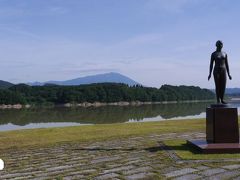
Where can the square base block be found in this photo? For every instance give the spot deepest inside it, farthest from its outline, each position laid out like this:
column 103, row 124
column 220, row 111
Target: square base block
column 222, row 125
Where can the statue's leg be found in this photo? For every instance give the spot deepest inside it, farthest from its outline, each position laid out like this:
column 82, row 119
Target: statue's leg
column 223, row 85
column 217, row 86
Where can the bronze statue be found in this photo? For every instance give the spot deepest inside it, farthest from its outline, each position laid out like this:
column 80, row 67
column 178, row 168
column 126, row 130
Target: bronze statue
column 220, row 69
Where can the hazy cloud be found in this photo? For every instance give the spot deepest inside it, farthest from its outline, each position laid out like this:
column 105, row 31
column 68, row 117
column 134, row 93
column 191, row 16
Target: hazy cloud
column 171, row 6
column 6, row 12
column 148, row 38
column 17, row 31
column 57, row 10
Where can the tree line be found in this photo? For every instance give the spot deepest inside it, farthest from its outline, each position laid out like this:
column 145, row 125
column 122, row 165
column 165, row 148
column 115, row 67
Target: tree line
column 100, row 92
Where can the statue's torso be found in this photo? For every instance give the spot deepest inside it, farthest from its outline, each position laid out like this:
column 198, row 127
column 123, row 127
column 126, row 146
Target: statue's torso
column 219, row 59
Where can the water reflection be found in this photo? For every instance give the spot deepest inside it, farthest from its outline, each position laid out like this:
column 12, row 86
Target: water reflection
column 100, row 115
column 10, row 126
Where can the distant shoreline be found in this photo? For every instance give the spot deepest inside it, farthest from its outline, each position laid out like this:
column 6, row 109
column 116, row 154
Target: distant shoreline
column 99, row 104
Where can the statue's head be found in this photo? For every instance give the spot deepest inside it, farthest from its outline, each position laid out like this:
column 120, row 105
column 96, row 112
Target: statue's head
column 219, row 44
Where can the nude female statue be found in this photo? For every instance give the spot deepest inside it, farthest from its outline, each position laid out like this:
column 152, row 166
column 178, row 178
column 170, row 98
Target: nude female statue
column 220, row 69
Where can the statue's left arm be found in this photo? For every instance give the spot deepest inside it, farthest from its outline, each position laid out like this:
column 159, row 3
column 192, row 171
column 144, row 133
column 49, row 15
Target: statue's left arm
column 227, row 67
column 211, row 66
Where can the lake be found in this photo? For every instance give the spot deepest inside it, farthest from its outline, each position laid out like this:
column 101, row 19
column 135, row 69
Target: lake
column 13, row 119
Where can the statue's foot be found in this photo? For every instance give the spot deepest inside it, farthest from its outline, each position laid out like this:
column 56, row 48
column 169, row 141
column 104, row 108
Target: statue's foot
column 223, row 102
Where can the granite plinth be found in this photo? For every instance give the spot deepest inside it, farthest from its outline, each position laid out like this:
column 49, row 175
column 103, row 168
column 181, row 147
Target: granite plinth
column 222, row 131
column 214, row 148
column 222, row 124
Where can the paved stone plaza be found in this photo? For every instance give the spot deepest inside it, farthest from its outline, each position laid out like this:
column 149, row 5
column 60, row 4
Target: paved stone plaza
column 144, row 157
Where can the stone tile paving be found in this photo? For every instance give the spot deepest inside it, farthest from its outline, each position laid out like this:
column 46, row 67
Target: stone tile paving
column 144, row 157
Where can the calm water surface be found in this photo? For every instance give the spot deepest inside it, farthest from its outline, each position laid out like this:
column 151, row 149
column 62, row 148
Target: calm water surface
column 12, row 119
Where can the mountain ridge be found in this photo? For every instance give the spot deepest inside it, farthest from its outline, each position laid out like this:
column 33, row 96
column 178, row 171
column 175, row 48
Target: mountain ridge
column 99, row 78
column 5, row 84
column 232, row 91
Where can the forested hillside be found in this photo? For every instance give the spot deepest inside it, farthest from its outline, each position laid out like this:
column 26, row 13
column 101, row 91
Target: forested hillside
column 5, row 84
column 103, row 92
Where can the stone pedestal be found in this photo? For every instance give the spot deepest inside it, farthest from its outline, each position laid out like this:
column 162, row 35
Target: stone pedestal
column 222, row 131
column 222, row 125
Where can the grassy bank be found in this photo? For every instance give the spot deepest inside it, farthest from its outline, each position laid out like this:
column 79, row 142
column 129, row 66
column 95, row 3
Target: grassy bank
column 51, row 136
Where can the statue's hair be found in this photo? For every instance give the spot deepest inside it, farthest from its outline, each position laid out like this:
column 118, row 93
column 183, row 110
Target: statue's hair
column 219, row 42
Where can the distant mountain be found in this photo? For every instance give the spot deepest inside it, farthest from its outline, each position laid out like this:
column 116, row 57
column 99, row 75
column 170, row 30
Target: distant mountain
column 99, row 78
column 232, row 91
column 35, row 83
column 5, row 84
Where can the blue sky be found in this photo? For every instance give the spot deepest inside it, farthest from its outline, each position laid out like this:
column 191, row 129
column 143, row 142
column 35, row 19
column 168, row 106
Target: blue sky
column 154, row 42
